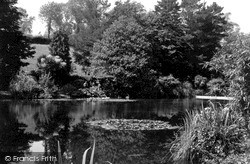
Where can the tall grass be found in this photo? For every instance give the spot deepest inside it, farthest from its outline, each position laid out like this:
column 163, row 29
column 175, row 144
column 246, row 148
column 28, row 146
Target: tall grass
column 210, row 136
column 185, row 140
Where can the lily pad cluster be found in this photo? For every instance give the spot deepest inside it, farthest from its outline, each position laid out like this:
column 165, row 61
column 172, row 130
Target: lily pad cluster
column 132, row 124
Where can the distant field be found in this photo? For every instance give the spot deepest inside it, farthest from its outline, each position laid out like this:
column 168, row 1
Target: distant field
column 44, row 49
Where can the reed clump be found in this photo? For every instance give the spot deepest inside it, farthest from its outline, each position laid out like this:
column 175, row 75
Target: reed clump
column 216, row 134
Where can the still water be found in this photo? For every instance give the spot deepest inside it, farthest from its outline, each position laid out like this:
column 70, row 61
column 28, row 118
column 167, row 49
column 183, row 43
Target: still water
column 36, row 128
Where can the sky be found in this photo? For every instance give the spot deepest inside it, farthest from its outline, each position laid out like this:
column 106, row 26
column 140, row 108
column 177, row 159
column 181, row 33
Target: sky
column 239, row 10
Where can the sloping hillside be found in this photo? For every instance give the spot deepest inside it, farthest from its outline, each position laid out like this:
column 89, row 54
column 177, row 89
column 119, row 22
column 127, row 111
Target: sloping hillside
column 44, row 49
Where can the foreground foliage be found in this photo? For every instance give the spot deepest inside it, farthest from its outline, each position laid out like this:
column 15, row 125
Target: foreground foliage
column 214, row 135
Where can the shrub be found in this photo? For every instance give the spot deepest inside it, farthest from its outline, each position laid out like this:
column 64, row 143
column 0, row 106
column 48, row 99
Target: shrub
column 79, row 83
column 24, row 86
column 199, row 92
column 169, row 86
column 210, row 136
column 49, row 89
column 216, row 87
column 68, row 89
column 96, row 92
column 239, row 159
column 58, row 63
column 50, row 64
column 53, row 65
column 187, row 89
column 200, row 82
column 59, row 46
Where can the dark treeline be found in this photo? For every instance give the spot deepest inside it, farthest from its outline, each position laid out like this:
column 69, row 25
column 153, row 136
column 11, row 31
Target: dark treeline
column 139, row 53
column 141, row 49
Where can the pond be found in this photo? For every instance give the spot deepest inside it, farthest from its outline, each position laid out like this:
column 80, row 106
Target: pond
column 34, row 129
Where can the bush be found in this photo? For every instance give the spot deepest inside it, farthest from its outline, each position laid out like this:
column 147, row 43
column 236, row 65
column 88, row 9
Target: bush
column 211, row 136
column 187, row 89
column 24, row 86
column 50, row 64
column 49, row 89
column 68, row 89
column 200, row 82
column 80, row 83
column 199, row 92
column 58, row 63
column 216, row 87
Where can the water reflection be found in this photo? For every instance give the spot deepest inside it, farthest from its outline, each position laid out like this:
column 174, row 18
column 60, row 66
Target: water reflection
column 24, row 124
column 121, row 147
column 13, row 138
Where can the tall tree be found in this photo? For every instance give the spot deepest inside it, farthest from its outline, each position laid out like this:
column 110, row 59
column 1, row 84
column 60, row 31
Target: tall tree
column 13, row 45
column 123, row 54
column 207, row 25
column 25, row 21
column 126, row 9
column 59, row 46
column 169, row 40
column 58, row 63
column 87, row 12
column 52, row 14
column 89, row 16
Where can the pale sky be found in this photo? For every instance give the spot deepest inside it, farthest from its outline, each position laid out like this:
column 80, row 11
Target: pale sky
column 239, row 10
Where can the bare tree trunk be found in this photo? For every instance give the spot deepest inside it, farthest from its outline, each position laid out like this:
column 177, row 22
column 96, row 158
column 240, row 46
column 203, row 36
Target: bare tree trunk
column 49, row 27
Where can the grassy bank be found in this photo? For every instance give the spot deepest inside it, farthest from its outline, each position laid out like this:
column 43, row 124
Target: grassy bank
column 42, row 49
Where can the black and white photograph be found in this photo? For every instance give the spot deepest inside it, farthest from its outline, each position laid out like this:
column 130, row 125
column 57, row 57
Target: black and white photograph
column 124, row 82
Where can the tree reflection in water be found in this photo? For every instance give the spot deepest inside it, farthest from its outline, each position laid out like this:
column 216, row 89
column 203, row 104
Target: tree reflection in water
column 53, row 126
column 23, row 122
column 14, row 141
column 121, row 147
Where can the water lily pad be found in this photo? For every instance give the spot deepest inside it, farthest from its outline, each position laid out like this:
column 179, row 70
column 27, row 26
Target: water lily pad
column 132, row 124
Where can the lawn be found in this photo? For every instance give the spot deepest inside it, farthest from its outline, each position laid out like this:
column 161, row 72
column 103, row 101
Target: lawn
column 44, row 49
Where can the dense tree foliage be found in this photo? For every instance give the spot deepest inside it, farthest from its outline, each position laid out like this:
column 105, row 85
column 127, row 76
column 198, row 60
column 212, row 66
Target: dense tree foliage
column 207, row 25
column 13, row 45
column 25, row 21
column 51, row 13
column 135, row 49
column 59, row 46
column 89, row 16
column 169, row 40
column 173, row 39
column 125, row 9
column 123, row 53
column 233, row 61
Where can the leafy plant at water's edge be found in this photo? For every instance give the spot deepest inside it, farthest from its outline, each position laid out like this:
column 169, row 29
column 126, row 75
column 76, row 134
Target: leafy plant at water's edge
column 25, row 86
column 211, row 136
